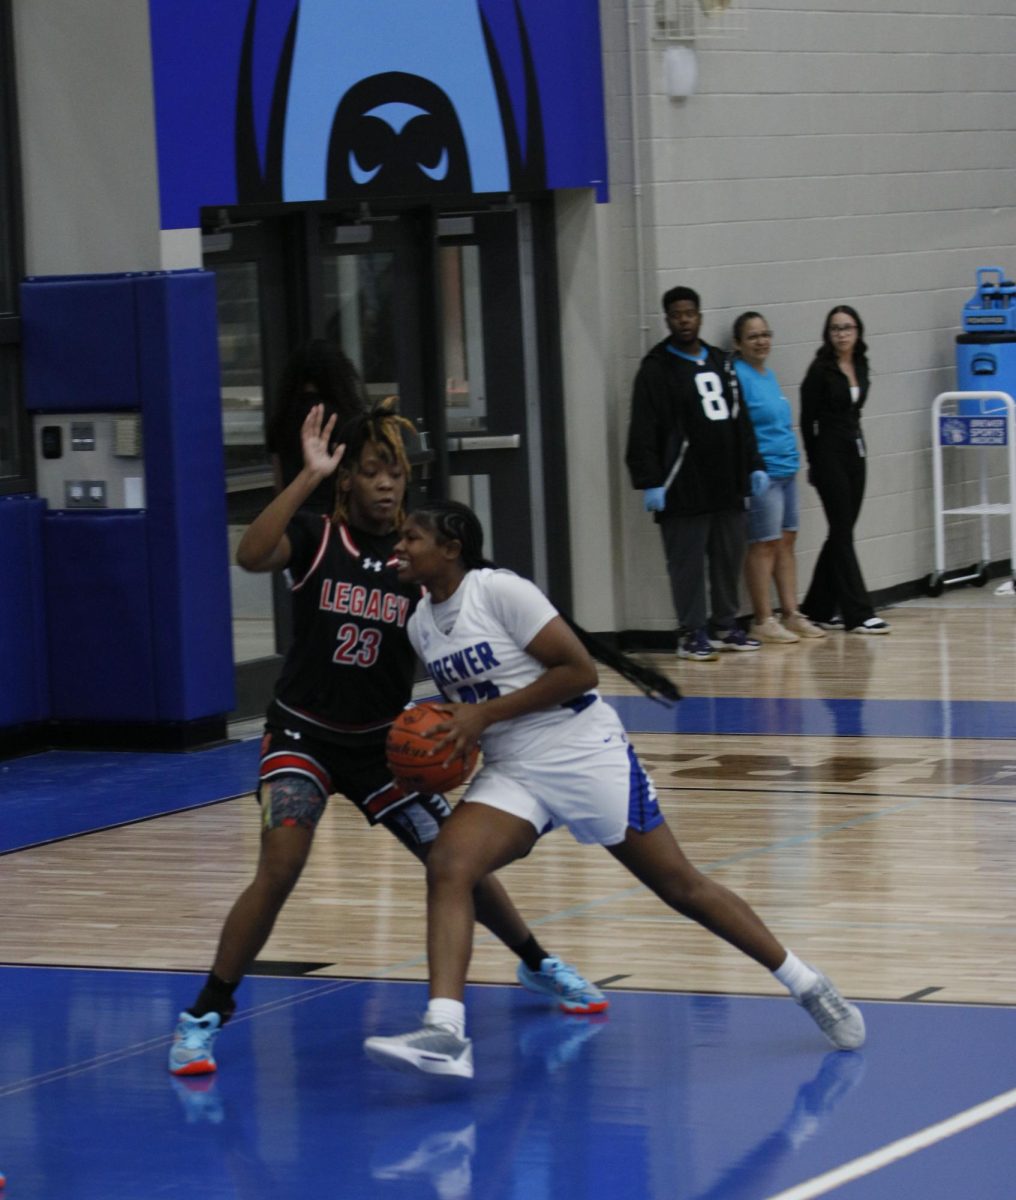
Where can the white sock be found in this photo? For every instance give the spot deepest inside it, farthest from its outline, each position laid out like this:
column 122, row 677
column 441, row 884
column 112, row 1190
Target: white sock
column 797, row 977
column 449, row 1013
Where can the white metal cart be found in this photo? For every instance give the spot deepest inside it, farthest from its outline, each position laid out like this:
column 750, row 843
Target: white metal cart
column 972, row 421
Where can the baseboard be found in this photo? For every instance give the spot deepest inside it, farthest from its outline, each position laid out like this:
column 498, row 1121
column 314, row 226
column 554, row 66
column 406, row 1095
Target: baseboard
column 112, row 735
column 664, row 641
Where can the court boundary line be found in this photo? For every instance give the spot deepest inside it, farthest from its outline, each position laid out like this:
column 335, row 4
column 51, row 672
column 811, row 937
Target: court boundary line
column 902, row 1148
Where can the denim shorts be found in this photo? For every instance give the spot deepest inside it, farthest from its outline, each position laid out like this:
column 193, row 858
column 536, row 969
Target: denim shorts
column 776, row 511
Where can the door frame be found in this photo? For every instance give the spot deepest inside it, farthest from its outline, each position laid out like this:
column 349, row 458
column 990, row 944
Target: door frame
column 293, row 309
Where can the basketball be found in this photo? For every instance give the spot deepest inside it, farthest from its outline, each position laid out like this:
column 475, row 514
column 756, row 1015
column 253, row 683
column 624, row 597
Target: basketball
column 410, row 753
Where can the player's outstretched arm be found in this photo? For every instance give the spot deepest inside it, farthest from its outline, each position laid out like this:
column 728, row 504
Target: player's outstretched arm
column 264, row 545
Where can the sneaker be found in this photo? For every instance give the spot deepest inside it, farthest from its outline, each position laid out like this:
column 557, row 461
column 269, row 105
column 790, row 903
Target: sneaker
column 872, row 625
column 771, row 630
column 191, row 1051
column 433, row 1049
column 560, row 980
column 798, row 623
column 696, row 646
column 838, row 1019
column 834, row 622
column 733, row 639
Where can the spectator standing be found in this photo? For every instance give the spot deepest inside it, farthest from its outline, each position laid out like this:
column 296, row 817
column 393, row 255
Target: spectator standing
column 832, row 395
column 692, row 452
column 773, row 516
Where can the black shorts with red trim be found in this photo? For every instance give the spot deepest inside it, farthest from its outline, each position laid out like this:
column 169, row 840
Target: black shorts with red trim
column 358, row 772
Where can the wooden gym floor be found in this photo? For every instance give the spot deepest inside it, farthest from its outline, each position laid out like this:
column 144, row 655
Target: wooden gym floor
column 859, row 792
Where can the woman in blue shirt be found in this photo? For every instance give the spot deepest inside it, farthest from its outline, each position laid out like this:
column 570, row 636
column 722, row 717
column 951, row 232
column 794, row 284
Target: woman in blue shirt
column 773, row 516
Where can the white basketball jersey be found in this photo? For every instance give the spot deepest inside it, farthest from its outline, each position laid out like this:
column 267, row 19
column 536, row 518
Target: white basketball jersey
column 483, row 655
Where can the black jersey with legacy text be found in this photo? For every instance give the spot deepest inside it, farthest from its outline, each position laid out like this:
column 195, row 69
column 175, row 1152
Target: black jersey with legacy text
column 350, row 670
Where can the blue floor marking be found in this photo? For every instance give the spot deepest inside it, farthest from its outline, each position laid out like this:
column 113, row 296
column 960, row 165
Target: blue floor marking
column 59, row 794
column 820, row 718
column 682, row 1097
column 44, row 797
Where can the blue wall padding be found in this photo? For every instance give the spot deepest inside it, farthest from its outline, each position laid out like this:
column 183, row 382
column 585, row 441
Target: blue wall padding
column 24, row 682
column 77, row 344
column 99, row 617
column 137, row 614
column 178, row 361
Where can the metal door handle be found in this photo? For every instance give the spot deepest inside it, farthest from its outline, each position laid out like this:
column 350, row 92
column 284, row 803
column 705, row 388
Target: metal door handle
column 494, row 441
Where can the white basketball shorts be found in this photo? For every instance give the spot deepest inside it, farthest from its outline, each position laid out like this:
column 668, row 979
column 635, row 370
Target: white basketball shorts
column 584, row 775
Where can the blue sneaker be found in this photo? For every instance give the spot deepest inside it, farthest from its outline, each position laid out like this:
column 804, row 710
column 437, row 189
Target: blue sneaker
column 696, row 646
column 733, row 639
column 560, row 980
column 191, row 1051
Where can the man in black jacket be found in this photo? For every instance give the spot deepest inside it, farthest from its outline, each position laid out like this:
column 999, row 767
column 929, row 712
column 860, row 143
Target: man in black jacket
column 692, row 451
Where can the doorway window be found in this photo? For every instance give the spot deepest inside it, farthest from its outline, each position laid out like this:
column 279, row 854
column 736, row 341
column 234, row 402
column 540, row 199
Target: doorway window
column 359, row 312
column 462, row 338
column 242, row 371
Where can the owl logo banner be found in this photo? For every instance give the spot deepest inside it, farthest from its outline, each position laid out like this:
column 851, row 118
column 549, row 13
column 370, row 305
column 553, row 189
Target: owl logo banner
column 269, row 101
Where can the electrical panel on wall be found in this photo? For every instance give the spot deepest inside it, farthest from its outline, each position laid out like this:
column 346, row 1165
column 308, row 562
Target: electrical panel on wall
column 89, row 460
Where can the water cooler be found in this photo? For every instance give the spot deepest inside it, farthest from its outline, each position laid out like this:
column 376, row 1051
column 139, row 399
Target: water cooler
column 986, row 349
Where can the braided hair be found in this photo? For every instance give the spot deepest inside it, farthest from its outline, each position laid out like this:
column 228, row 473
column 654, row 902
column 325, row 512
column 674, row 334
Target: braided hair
column 379, row 429
column 450, row 521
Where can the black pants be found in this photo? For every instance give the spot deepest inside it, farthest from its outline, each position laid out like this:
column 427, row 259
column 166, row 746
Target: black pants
column 690, row 543
column 838, row 585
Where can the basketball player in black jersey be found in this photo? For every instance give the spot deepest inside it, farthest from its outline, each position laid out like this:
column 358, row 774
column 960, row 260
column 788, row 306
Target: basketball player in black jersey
column 347, row 676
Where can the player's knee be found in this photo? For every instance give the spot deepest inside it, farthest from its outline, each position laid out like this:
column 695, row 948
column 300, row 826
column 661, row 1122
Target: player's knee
column 449, row 868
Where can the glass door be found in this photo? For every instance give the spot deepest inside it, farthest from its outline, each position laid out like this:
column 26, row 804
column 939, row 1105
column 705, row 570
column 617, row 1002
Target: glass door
column 490, row 404
column 440, row 310
column 247, row 258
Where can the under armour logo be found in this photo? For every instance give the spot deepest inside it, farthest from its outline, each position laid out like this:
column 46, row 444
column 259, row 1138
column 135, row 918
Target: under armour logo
column 373, row 564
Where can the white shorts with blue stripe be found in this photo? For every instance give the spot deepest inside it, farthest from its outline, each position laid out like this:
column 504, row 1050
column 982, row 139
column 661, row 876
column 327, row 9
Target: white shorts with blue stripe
column 586, row 777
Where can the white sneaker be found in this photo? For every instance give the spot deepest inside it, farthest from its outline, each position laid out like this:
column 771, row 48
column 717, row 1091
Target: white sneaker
column 798, row 623
column 770, row 630
column 433, row 1049
column 872, row 625
column 838, row 1019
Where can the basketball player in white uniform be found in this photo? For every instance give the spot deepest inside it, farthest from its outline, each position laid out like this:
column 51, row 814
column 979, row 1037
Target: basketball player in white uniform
column 520, row 680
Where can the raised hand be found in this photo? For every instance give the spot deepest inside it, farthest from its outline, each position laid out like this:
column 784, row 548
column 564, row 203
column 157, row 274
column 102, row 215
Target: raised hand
column 314, row 437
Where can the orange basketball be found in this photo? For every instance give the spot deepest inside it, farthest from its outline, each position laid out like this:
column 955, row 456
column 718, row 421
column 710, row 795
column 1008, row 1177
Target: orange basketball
column 411, row 757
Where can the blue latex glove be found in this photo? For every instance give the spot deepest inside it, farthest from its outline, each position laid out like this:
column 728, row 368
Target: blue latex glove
column 759, row 483
column 654, row 499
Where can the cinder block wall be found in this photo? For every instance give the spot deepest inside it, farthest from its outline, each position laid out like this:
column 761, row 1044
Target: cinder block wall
column 857, row 152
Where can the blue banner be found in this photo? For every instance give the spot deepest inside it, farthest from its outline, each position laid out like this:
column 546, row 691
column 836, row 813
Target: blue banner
column 262, row 101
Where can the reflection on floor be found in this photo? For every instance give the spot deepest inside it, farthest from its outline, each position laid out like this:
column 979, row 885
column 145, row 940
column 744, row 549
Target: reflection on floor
column 682, row 1097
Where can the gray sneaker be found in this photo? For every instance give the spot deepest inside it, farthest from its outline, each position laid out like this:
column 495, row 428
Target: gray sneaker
column 433, row 1049
column 838, row 1019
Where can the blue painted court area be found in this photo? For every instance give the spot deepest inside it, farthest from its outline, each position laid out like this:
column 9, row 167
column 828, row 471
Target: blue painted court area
column 44, row 797
column 667, row 1097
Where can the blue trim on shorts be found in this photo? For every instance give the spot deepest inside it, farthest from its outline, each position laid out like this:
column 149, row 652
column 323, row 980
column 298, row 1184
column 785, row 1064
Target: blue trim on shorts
column 643, row 808
column 580, row 703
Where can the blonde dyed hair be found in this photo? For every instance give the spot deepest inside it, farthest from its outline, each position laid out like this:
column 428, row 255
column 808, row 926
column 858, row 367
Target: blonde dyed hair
column 379, row 429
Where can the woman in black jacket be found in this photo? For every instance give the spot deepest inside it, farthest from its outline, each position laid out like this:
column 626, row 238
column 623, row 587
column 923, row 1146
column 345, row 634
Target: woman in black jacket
column 832, row 396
